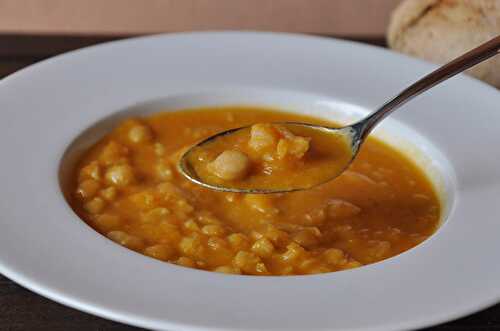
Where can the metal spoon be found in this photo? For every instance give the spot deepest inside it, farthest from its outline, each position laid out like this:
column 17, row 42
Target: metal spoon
column 357, row 132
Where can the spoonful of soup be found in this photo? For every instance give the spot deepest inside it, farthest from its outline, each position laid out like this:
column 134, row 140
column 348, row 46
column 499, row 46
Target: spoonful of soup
column 285, row 157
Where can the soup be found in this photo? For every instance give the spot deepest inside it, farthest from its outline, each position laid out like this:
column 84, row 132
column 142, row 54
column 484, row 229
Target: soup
column 127, row 187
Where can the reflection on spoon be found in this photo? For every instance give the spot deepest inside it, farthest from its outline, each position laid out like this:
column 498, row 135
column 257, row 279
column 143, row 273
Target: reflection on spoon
column 272, row 158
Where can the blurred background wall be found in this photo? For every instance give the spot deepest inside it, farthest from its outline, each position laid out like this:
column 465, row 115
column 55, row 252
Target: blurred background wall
column 31, row 30
column 349, row 18
column 434, row 30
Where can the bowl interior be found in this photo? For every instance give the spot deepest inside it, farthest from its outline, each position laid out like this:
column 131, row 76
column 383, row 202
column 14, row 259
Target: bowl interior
column 402, row 137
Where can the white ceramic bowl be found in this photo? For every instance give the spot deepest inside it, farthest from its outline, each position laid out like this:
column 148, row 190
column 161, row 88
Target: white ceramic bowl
column 452, row 131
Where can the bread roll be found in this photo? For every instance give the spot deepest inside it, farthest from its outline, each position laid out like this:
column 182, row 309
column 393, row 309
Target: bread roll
column 440, row 30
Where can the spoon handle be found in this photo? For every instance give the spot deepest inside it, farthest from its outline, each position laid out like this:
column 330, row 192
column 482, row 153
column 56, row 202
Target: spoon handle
column 467, row 60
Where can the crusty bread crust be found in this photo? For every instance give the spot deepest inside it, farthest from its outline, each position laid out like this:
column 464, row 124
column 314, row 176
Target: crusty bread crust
column 439, row 30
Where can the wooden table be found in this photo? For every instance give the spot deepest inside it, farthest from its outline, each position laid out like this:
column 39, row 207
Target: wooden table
column 21, row 309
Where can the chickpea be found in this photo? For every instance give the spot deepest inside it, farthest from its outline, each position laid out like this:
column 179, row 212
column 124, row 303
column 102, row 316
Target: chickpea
column 308, row 263
column 341, row 209
column 307, row 237
column 352, row 264
column 183, row 207
column 334, row 256
column 143, row 200
column 140, row 134
column 293, row 252
column 249, row 263
column 164, row 172
column 156, row 215
column 231, row 197
column 379, row 249
column 191, row 225
column 295, row 147
column 124, row 239
column 88, row 188
column 276, row 236
column 299, row 146
column 185, row 262
column 94, row 206
column 171, row 233
column 216, row 243
column 191, row 246
column 205, row 218
column 120, row 175
column 108, row 193
column 262, row 203
column 261, row 269
column 107, row 222
column 162, row 252
column 263, row 247
column 230, row 165
column 159, row 149
column 238, row 241
column 169, row 190
column 91, row 170
column 112, row 153
column 262, row 137
column 213, row 230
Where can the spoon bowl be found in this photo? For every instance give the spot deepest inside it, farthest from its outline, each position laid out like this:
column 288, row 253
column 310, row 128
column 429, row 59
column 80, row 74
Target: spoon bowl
column 345, row 138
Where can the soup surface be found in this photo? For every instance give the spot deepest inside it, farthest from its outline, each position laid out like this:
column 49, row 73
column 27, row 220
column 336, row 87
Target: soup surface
column 127, row 187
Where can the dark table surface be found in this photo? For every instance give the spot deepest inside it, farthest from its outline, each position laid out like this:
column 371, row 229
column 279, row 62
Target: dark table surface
column 21, row 309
